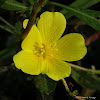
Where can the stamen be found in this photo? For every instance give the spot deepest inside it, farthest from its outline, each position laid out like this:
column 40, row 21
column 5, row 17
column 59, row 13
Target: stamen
column 42, row 50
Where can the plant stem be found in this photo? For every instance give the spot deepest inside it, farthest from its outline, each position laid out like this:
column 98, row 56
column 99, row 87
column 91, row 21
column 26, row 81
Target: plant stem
column 70, row 93
column 32, row 19
column 92, row 38
column 85, row 69
column 65, row 84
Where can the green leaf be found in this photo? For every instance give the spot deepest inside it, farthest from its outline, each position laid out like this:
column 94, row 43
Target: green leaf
column 12, row 5
column 19, row 28
column 86, row 79
column 6, row 29
column 17, row 32
column 8, row 51
column 91, row 12
column 88, row 3
column 75, row 92
column 83, row 4
column 36, row 1
column 44, row 84
column 93, row 22
column 33, row 1
column 45, row 2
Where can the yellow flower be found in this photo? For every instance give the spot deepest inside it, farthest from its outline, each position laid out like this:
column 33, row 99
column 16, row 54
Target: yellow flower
column 43, row 51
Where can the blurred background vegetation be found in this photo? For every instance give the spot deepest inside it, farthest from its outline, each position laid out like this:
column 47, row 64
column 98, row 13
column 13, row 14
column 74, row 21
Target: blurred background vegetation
column 83, row 16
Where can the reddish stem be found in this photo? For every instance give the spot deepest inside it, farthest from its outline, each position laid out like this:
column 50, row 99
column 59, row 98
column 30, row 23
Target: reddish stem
column 32, row 19
column 92, row 38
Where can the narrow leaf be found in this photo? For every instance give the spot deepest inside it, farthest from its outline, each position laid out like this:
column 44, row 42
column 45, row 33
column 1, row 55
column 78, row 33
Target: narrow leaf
column 33, row 1
column 88, row 3
column 83, row 5
column 86, row 79
column 8, row 51
column 12, row 5
column 93, row 22
column 91, row 12
column 6, row 29
column 45, row 2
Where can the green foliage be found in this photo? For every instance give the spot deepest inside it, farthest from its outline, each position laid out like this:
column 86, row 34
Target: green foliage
column 33, row 1
column 5, row 53
column 19, row 28
column 91, row 12
column 75, row 92
column 86, row 79
column 83, row 5
column 88, row 3
column 12, row 5
column 45, row 2
column 6, row 29
column 93, row 22
column 44, row 84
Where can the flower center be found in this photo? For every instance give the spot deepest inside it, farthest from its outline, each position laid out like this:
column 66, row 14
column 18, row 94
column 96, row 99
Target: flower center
column 42, row 50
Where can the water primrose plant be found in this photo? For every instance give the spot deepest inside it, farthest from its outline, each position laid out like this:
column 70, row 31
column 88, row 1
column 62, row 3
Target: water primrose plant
column 45, row 51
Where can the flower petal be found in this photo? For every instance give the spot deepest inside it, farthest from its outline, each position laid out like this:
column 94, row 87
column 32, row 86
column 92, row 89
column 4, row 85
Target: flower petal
column 71, row 47
column 27, row 62
column 25, row 22
column 56, row 69
column 51, row 25
column 31, row 39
